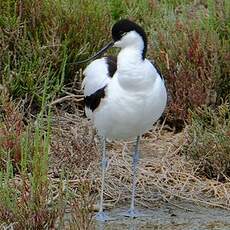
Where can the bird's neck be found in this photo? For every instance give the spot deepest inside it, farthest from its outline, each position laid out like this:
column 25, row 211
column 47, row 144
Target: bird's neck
column 130, row 69
column 129, row 58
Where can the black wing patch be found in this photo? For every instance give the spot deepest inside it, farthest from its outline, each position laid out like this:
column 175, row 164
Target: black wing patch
column 93, row 101
column 157, row 69
column 112, row 65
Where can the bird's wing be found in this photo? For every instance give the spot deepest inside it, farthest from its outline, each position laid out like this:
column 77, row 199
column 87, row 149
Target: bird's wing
column 157, row 69
column 98, row 74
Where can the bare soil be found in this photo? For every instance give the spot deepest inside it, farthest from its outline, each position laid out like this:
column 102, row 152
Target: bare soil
column 179, row 216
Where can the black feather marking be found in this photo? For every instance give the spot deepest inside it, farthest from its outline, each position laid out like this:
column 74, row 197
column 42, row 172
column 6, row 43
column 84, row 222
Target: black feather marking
column 112, row 65
column 126, row 25
column 93, row 101
column 157, row 69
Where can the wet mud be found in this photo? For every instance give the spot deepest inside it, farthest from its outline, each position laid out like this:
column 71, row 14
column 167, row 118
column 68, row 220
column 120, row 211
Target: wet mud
column 178, row 216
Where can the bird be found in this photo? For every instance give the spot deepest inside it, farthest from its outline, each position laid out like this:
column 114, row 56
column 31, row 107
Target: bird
column 124, row 96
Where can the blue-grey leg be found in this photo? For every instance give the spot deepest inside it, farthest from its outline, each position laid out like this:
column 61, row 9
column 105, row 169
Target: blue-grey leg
column 132, row 212
column 101, row 215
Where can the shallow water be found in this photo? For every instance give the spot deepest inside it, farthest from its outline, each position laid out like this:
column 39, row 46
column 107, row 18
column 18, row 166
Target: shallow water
column 179, row 217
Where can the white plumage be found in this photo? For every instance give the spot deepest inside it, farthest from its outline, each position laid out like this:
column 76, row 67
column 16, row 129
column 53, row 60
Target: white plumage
column 124, row 97
column 96, row 76
column 135, row 97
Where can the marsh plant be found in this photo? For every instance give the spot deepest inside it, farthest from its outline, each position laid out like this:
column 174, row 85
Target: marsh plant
column 40, row 42
column 209, row 141
column 189, row 41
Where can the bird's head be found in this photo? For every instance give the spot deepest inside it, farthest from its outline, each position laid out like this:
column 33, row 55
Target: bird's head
column 125, row 33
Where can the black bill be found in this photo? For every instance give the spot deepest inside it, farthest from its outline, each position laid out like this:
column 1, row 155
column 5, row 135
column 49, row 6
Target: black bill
column 109, row 45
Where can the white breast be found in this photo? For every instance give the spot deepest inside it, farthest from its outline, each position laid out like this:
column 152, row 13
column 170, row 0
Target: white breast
column 132, row 103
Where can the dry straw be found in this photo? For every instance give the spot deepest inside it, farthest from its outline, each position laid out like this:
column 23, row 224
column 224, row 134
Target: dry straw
column 164, row 173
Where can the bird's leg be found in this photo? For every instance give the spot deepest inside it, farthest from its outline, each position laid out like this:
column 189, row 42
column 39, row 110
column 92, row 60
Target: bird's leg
column 135, row 162
column 132, row 212
column 101, row 216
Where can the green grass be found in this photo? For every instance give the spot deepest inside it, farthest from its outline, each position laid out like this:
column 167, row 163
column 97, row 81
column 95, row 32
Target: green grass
column 25, row 197
column 209, row 141
column 40, row 41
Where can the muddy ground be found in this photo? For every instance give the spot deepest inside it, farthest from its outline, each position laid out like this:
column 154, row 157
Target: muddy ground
column 179, row 216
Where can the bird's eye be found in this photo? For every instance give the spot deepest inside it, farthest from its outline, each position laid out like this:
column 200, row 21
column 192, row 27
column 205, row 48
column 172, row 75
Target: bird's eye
column 122, row 33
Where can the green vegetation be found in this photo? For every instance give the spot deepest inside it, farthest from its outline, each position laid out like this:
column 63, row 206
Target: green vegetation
column 189, row 41
column 24, row 151
column 209, row 146
column 40, row 41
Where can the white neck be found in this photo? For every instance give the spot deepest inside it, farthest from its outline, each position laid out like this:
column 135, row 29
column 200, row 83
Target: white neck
column 128, row 58
column 130, row 67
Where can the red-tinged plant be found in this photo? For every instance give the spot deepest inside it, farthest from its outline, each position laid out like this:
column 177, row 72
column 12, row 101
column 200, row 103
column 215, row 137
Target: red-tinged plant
column 11, row 131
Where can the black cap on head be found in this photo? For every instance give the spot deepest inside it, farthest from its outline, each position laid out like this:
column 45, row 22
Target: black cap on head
column 118, row 30
column 124, row 26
